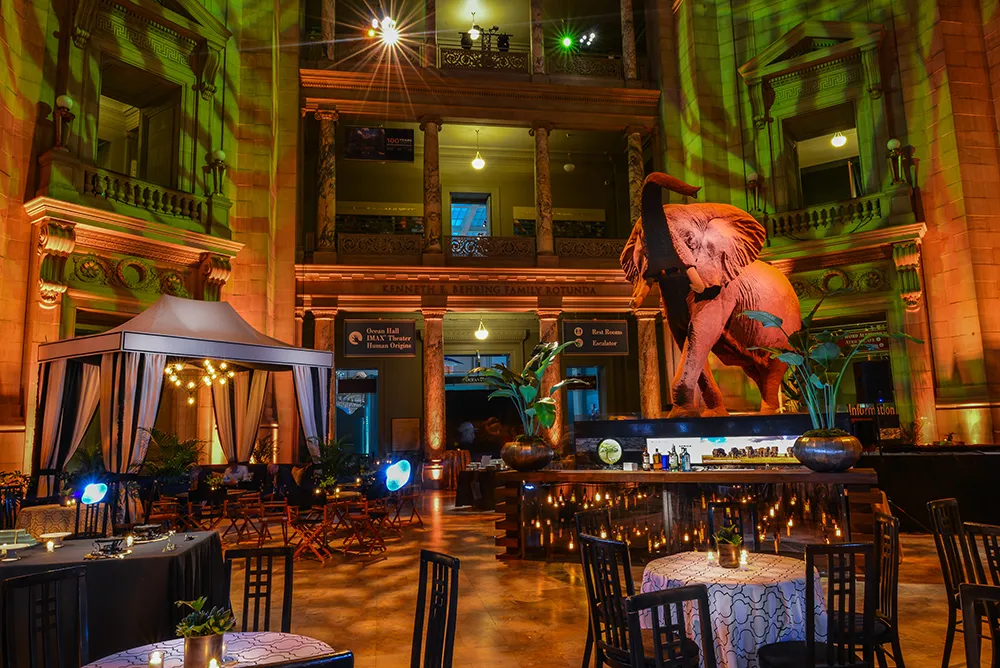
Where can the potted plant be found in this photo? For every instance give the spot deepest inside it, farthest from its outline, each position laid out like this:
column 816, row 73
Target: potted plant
column 817, row 361
column 528, row 452
column 169, row 460
column 337, row 463
column 204, row 632
column 728, row 542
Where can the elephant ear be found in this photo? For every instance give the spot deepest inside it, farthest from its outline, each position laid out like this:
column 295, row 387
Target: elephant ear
column 633, row 258
column 735, row 239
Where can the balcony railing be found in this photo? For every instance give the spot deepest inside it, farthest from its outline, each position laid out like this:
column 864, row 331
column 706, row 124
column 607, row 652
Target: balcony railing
column 590, row 249
column 149, row 196
column 476, row 59
column 585, row 65
column 380, row 245
column 828, row 219
column 492, row 248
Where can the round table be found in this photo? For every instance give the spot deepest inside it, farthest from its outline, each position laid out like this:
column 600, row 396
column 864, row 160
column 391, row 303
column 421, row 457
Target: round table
column 750, row 608
column 242, row 649
column 50, row 518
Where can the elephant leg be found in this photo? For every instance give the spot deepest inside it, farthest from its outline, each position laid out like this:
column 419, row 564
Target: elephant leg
column 769, row 383
column 711, row 394
column 705, row 330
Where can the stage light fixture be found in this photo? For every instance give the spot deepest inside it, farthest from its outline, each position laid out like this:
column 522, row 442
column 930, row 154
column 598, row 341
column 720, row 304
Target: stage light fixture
column 94, row 493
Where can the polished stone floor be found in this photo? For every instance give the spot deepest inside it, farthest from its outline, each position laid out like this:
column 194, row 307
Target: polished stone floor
column 526, row 614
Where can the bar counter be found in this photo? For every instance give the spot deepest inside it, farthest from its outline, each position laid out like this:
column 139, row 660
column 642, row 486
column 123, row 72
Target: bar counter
column 664, row 512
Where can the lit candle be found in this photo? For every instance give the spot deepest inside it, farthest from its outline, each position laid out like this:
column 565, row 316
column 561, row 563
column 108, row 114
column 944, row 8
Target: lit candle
column 711, row 558
column 744, row 556
column 50, row 546
column 213, row 663
column 838, row 532
column 155, row 659
column 129, row 541
column 788, row 529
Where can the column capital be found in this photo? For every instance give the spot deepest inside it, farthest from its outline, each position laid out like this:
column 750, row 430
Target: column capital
column 300, row 314
column 427, row 120
column 549, row 313
column 325, row 313
column 326, row 115
column 641, row 130
column 213, row 273
column 540, row 125
column 433, row 313
column 647, row 313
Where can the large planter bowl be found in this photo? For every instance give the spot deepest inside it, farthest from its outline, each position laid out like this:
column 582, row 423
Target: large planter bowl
column 827, row 454
column 729, row 555
column 200, row 650
column 527, row 455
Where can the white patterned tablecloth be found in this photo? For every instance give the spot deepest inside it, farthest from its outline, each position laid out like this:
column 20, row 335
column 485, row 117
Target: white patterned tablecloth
column 750, row 608
column 242, row 649
column 50, row 518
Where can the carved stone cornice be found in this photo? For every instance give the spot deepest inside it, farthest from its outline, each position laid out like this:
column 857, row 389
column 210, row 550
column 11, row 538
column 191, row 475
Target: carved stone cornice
column 841, row 250
column 648, row 313
column 549, row 313
column 214, row 272
column 56, row 241
column 424, row 121
column 433, row 313
column 906, row 256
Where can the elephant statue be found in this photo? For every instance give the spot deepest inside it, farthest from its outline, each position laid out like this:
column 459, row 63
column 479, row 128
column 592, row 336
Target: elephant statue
column 704, row 257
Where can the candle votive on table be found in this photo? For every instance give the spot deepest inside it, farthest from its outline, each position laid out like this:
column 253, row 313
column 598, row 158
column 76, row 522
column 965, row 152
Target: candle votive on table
column 213, row 663
column 50, row 546
column 744, row 560
column 711, row 558
column 155, row 659
column 129, row 540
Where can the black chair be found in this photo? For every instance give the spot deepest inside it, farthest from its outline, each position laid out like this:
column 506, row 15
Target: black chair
column 984, row 546
column 976, row 597
column 671, row 646
column 343, row 659
column 887, row 611
column 39, row 624
column 258, row 585
column 737, row 513
column 593, row 523
column 847, row 632
column 953, row 552
column 91, row 520
column 440, row 610
column 11, row 498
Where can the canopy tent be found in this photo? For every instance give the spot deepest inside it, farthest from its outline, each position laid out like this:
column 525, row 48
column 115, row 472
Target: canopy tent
column 122, row 372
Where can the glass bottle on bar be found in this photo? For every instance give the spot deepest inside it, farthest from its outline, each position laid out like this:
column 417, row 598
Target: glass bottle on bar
column 675, row 460
column 657, row 458
column 645, row 458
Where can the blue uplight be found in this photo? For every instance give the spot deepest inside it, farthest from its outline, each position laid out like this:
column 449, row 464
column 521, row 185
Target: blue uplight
column 94, row 493
column 397, row 475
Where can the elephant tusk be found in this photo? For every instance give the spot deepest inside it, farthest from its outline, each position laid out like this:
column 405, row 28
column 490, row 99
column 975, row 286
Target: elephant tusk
column 697, row 284
column 639, row 294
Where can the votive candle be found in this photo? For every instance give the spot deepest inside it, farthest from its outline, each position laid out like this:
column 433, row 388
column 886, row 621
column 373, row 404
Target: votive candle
column 129, row 540
column 711, row 557
column 50, row 546
column 744, row 557
column 155, row 659
column 213, row 663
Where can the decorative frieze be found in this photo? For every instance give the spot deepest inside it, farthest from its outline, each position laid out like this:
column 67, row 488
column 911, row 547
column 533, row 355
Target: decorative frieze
column 141, row 33
column 590, row 248
column 130, row 273
column 814, row 286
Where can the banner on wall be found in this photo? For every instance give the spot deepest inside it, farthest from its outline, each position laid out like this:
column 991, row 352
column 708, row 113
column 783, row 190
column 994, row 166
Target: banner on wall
column 596, row 337
column 380, row 338
column 379, row 144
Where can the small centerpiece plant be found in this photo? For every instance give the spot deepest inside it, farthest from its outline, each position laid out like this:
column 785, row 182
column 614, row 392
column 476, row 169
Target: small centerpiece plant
column 528, row 452
column 817, row 361
column 203, row 632
column 728, row 542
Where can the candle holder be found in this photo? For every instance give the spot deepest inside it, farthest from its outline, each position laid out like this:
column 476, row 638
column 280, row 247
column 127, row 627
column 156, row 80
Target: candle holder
column 156, row 659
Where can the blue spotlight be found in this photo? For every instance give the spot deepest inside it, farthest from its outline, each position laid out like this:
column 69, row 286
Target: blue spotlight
column 397, row 475
column 94, row 493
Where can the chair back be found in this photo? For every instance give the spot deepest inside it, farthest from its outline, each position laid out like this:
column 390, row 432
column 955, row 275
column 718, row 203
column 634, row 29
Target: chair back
column 737, row 514
column 44, row 617
column 952, row 549
column 671, row 646
column 258, row 585
column 984, row 546
column 11, row 498
column 847, row 635
column 437, row 604
column 887, row 558
column 92, row 519
column 607, row 573
column 974, row 597
column 593, row 523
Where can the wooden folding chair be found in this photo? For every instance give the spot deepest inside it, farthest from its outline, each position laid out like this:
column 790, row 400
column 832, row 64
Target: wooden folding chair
column 271, row 513
column 311, row 529
column 364, row 530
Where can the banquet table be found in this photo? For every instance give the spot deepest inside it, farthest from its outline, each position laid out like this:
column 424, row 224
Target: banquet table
column 242, row 649
column 750, row 608
column 49, row 518
column 130, row 601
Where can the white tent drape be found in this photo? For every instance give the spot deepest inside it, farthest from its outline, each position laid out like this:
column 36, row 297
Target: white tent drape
column 312, row 388
column 130, row 395
column 238, row 406
column 71, row 392
column 50, row 392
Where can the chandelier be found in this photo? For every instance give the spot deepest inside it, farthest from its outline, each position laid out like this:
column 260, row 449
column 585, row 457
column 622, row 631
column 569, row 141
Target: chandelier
column 189, row 376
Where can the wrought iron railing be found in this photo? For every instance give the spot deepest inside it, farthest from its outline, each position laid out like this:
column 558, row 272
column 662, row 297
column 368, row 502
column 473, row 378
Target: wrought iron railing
column 497, row 248
column 851, row 214
column 149, row 196
column 585, row 65
column 380, row 244
column 477, row 59
column 590, row 248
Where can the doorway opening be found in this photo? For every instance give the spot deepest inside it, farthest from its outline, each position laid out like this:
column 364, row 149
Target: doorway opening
column 474, row 421
column 357, row 410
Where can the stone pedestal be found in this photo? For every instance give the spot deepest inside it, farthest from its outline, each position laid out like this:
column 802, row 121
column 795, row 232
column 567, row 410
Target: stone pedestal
column 544, row 242
column 434, row 406
column 432, row 189
column 649, row 365
column 326, row 182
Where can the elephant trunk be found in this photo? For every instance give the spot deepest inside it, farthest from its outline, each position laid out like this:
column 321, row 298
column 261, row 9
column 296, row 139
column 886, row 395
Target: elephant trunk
column 665, row 257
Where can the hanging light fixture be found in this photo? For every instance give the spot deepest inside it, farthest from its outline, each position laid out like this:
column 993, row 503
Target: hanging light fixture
column 482, row 333
column 568, row 166
column 478, row 162
column 474, row 30
column 838, row 139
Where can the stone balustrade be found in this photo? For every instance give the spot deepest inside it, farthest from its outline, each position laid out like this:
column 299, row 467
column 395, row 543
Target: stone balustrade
column 156, row 199
column 477, row 59
column 830, row 219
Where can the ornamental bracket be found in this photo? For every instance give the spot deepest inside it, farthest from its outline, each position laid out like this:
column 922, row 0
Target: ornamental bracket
column 56, row 241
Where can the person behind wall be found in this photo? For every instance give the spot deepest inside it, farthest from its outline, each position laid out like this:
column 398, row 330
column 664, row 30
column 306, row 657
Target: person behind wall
column 236, row 473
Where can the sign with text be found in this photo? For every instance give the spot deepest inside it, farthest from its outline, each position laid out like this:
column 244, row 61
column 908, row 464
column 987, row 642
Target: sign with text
column 878, row 338
column 379, row 144
column 597, row 337
column 380, row 338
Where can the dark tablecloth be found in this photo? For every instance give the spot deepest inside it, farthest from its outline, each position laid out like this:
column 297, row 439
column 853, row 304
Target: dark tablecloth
column 476, row 489
column 130, row 601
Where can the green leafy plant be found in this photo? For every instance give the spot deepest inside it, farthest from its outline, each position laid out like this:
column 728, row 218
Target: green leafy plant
column 86, row 466
column 200, row 622
column 525, row 389
column 263, row 450
column 728, row 535
column 336, row 462
column 169, row 459
column 817, row 363
column 213, row 481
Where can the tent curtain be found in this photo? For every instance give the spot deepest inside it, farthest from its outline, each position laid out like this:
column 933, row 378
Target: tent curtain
column 238, row 407
column 130, row 396
column 312, row 388
column 50, row 392
column 69, row 393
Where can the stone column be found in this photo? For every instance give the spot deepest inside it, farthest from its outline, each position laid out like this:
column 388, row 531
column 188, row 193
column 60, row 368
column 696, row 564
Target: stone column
column 323, row 339
column 432, row 187
column 636, row 172
column 430, row 33
column 537, row 39
column 920, row 379
column 543, row 191
column 300, row 314
column 628, row 41
column 329, row 23
column 434, row 417
column 548, row 332
column 649, row 364
column 326, row 181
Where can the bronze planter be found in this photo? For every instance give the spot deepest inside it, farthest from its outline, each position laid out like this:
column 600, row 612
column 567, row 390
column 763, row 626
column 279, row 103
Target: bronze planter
column 729, row 555
column 527, row 455
column 827, row 454
column 200, row 650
